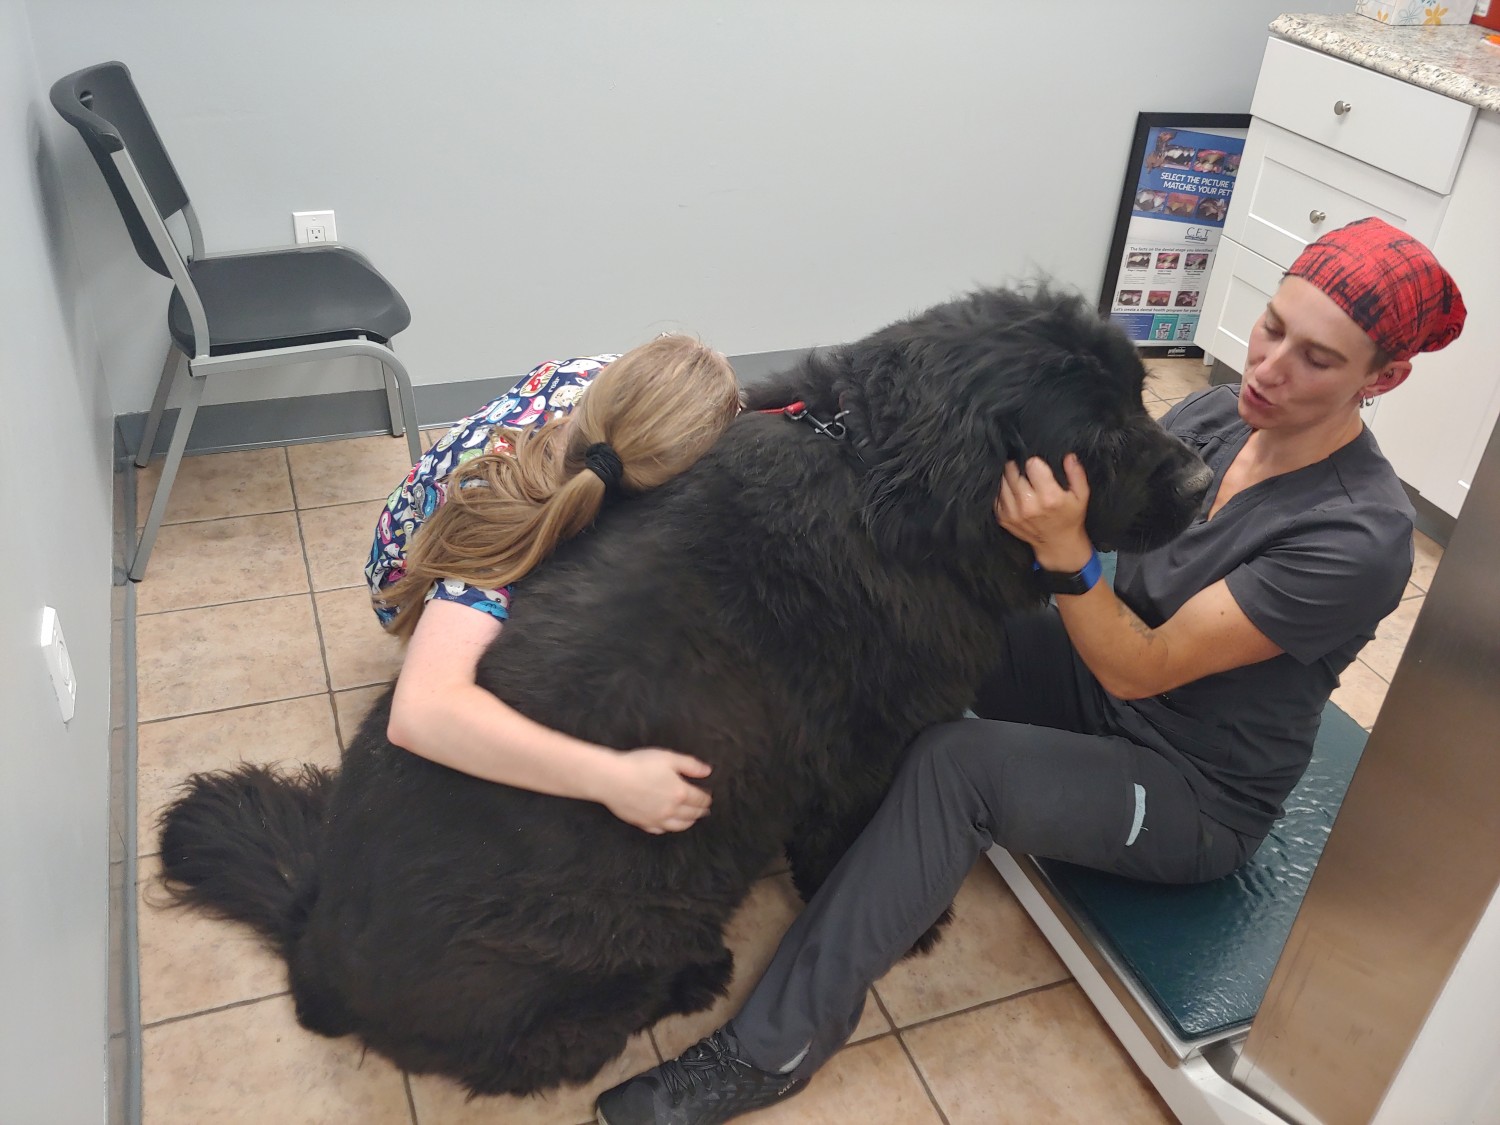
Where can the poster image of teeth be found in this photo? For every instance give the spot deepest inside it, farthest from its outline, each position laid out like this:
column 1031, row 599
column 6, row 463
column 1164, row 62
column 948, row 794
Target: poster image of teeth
column 1177, row 190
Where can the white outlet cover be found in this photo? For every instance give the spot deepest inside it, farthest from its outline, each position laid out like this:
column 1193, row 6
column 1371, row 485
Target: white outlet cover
column 305, row 223
column 59, row 666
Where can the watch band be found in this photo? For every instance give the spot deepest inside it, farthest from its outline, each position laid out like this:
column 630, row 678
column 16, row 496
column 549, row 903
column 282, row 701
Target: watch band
column 1081, row 582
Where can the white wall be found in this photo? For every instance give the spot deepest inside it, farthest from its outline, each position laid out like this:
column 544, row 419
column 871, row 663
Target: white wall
column 575, row 176
column 55, row 451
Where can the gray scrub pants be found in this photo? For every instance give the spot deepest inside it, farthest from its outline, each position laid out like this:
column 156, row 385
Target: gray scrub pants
column 1040, row 773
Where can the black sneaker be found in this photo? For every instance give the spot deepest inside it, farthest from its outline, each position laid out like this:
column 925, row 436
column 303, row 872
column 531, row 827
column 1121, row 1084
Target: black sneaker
column 706, row 1084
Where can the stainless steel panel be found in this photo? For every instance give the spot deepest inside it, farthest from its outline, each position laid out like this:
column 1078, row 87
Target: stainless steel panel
column 1412, row 861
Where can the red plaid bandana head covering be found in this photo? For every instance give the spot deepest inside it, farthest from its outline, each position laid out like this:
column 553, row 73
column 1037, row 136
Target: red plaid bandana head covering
column 1388, row 283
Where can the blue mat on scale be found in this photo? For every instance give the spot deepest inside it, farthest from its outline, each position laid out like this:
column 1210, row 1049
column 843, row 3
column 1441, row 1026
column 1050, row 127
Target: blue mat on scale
column 1204, row 953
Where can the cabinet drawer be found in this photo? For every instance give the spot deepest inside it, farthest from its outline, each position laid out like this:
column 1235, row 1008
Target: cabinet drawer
column 1291, row 190
column 1415, row 133
column 1241, row 284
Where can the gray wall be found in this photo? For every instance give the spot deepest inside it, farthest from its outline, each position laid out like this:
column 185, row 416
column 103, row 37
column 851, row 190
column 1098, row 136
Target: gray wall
column 55, row 445
column 576, row 176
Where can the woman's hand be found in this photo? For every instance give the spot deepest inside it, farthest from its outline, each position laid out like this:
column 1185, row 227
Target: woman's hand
column 651, row 791
column 1038, row 510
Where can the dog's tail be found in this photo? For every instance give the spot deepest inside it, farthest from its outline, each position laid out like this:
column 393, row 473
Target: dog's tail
column 241, row 844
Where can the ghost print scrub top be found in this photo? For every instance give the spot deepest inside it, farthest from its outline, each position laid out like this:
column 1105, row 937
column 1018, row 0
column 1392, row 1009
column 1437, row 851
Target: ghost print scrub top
column 547, row 391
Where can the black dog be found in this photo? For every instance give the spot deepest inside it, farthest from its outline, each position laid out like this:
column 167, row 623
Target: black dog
column 793, row 610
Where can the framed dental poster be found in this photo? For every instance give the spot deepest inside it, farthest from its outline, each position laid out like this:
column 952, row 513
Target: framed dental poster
column 1178, row 183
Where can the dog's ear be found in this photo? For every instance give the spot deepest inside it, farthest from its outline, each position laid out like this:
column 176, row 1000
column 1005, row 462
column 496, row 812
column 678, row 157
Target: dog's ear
column 937, row 447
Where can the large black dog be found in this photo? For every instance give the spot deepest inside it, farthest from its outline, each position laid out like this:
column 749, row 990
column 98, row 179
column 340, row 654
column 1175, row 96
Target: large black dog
column 793, row 610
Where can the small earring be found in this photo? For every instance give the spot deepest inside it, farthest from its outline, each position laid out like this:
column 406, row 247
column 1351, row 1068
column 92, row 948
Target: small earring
column 1366, row 403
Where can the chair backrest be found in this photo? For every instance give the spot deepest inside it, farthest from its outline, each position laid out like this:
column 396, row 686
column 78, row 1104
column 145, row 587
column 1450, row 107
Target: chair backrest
column 101, row 102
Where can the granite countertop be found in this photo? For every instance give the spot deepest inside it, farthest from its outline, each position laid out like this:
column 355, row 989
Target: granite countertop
column 1454, row 60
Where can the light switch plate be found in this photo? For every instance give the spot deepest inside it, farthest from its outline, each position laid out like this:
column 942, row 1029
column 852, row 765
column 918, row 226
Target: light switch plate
column 55, row 650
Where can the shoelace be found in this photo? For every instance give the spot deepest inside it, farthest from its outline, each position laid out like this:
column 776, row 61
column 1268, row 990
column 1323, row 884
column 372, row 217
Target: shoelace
column 682, row 1075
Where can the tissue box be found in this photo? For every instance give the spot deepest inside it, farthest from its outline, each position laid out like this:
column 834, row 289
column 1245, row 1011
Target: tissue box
column 1405, row 12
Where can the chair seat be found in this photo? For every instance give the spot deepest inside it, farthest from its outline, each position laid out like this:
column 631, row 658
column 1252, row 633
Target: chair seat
column 281, row 298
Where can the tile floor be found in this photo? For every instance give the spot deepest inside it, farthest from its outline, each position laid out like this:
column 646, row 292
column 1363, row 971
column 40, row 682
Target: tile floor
column 255, row 641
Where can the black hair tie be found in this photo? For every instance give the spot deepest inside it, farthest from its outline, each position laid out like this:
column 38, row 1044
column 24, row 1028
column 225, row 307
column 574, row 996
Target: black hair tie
column 604, row 462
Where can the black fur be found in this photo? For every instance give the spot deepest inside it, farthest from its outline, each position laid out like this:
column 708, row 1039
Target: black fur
column 793, row 610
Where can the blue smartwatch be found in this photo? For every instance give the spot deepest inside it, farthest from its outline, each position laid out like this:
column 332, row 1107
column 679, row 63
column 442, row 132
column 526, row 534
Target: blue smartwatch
column 1079, row 582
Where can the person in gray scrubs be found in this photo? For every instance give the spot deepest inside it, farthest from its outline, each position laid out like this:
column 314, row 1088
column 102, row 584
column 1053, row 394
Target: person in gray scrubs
column 1152, row 729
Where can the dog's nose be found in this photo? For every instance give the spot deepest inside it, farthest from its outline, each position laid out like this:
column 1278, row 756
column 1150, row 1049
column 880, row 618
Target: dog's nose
column 1194, row 481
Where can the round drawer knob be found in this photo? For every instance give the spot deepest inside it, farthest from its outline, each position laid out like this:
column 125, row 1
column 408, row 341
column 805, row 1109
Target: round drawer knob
column 1342, row 107
column 1316, row 217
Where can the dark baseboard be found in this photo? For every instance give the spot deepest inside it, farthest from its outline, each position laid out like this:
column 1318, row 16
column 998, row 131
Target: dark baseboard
column 123, row 1054
column 1432, row 521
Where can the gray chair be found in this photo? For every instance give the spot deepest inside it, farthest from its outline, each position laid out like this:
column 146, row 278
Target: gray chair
column 229, row 312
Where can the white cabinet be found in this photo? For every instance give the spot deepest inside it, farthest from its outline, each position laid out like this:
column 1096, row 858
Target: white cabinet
column 1331, row 142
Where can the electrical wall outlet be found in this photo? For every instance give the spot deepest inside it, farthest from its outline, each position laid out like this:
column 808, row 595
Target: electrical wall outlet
column 314, row 226
column 55, row 650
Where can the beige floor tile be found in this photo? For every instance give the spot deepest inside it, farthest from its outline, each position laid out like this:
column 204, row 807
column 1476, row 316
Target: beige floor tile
column 218, row 485
column 292, row 731
column 345, row 472
column 1043, row 1057
column 1360, row 694
column 338, row 542
column 442, row 1102
column 350, row 708
column 190, row 962
column 752, row 935
column 359, row 651
column 252, row 1065
column 872, row 1084
column 1384, row 652
column 990, row 949
column 192, row 660
column 1156, row 407
column 1171, row 379
column 1427, row 554
column 214, row 561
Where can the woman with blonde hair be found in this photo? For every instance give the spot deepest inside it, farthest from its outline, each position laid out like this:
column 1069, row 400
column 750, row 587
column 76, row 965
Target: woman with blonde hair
column 488, row 503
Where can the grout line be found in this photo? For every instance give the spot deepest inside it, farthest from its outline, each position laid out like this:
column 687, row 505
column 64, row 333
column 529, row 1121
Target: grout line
column 219, row 519
column 411, row 1101
column 886, row 1012
column 291, row 478
column 921, row 1078
column 1374, row 673
column 342, row 504
column 212, row 1011
column 234, row 707
column 1034, row 990
column 338, row 730
column 232, row 601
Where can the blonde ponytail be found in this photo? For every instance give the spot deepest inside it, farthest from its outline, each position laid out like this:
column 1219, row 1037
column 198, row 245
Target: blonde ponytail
column 657, row 408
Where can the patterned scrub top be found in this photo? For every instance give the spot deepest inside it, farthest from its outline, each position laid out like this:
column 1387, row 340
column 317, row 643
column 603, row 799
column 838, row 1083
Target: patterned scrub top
column 547, row 391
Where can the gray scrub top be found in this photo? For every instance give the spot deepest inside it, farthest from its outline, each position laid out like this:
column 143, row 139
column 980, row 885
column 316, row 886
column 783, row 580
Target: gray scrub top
column 1315, row 558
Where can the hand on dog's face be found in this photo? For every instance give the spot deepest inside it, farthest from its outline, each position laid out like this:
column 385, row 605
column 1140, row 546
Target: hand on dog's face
column 1045, row 513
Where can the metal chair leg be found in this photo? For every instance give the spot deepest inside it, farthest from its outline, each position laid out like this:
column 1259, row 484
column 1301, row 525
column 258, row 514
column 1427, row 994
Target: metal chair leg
column 174, row 362
column 402, row 401
column 393, row 402
column 175, row 451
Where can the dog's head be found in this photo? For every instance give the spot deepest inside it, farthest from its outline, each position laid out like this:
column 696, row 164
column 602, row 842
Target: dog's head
column 938, row 403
